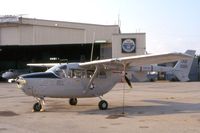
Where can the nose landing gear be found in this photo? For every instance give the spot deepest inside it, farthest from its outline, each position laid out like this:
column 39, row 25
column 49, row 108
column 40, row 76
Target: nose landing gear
column 39, row 105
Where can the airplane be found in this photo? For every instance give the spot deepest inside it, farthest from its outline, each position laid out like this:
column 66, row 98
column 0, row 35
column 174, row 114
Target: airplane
column 14, row 73
column 181, row 69
column 85, row 80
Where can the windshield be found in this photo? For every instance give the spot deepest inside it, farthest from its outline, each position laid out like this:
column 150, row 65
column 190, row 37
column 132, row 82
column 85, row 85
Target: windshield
column 59, row 70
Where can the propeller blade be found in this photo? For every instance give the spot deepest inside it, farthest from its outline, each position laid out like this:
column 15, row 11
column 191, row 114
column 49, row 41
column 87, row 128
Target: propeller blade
column 11, row 80
column 128, row 81
column 20, row 82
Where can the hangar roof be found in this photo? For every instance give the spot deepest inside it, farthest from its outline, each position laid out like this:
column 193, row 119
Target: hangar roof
column 29, row 31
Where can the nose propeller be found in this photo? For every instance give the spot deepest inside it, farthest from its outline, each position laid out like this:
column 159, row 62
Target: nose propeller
column 18, row 80
column 11, row 80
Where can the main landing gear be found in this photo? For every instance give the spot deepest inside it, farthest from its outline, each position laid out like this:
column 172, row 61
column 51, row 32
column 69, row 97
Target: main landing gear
column 73, row 101
column 103, row 105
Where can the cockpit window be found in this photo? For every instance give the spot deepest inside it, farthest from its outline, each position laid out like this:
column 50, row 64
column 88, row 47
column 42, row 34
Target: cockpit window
column 63, row 71
column 59, row 71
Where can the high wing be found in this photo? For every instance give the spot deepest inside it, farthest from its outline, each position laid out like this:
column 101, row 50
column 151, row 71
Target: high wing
column 48, row 65
column 138, row 60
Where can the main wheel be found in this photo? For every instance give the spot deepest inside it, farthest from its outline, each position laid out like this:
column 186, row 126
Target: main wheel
column 103, row 105
column 37, row 107
column 73, row 101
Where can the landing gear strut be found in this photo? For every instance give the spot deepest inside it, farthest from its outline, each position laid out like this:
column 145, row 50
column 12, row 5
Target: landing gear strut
column 73, row 101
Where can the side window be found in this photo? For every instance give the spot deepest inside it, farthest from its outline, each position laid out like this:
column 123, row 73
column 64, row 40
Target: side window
column 70, row 73
column 76, row 73
column 102, row 74
column 90, row 73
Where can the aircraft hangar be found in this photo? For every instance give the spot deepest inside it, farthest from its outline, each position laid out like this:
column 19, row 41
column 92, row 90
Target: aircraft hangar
column 29, row 40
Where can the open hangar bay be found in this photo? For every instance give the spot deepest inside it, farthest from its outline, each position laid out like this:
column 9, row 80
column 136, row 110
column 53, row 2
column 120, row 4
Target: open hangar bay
column 149, row 107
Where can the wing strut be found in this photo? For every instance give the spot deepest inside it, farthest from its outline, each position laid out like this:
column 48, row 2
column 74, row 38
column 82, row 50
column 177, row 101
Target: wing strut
column 92, row 79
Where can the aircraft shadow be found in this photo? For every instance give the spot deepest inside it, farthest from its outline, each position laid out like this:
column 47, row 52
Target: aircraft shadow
column 161, row 108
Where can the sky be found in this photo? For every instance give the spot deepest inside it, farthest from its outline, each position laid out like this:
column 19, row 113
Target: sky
column 170, row 25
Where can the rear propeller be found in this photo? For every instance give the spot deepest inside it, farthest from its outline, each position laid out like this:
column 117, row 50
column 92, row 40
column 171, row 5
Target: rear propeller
column 128, row 81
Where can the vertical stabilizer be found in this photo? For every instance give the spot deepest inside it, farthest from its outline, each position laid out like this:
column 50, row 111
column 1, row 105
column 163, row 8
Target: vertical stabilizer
column 182, row 67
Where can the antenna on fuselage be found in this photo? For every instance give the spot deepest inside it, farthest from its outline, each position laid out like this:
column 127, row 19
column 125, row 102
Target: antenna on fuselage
column 93, row 41
column 63, row 60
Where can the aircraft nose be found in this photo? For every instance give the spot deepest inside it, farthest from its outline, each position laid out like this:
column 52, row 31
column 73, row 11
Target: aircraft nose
column 20, row 82
column 24, row 86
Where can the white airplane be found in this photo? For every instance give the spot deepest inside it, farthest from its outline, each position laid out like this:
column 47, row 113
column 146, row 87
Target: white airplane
column 181, row 70
column 84, row 80
column 14, row 73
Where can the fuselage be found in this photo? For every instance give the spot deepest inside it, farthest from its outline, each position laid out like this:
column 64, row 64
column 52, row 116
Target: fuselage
column 68, row 81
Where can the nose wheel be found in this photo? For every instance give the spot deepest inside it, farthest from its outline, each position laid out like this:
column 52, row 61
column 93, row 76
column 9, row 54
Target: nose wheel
column 37, row 107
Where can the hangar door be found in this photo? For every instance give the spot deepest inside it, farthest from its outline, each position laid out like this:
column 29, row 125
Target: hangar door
column 19, row 56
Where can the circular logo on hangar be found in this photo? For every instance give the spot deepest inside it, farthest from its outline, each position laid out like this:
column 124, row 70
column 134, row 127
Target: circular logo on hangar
column 128, row 46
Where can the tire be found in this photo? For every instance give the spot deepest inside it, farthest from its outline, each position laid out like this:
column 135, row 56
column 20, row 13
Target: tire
column 37, row 107
column 103, row 105
column 73, row 101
